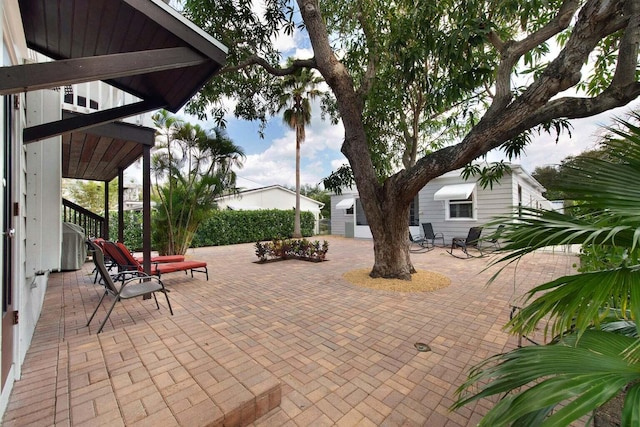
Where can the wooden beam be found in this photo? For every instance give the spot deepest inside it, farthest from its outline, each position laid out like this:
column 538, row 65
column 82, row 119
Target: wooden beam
column 47, row 130
column 118, row 130
column 121, row 204
column 46, row 75
column 146, row 209
column 106, row 209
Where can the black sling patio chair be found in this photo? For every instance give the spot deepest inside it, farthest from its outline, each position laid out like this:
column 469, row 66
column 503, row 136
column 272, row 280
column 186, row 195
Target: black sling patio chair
column 418, row 244
column 429, row 235
column 494, row 239
column 139, row 285
column 460, row 245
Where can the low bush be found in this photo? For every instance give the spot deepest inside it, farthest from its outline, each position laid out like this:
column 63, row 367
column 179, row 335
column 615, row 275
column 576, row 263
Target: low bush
column 292, row 249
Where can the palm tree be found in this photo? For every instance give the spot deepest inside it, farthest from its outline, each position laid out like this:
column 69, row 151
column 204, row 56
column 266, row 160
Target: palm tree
column 593, row 316
column 191, row 170
column 298, row 89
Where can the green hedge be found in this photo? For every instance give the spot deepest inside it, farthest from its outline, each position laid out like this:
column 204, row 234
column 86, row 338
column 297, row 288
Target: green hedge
column 224, row 227
column 230, row 227
column 132, row 229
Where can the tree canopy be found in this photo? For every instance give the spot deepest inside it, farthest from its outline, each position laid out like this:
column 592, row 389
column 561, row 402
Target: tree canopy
column 426, row 87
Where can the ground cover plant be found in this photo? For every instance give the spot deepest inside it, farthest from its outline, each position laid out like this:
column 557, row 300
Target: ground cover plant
column 301, row 249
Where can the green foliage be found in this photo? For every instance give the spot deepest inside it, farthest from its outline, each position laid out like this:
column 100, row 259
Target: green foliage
column 230, row 227
column 221, row 228
column 341, row 178
column 192, row 167
column 90, row 194
column 292, row 248
column 593, row 316
column 487, row 174
column 132, row 229
column 321, row 196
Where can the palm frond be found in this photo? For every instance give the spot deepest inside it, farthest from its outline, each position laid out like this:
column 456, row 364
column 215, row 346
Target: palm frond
column 580, row 374
column 557, row 302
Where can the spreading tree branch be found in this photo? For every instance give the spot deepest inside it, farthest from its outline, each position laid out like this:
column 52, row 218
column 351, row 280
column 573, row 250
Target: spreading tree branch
column 506, row 119
column 511, row 51
column 276, row 71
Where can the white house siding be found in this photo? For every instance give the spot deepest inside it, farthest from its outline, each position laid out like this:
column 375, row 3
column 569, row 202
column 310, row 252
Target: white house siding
column 36, row 188
column 501, row 200
column 339, row 217
column 43, row 228
column 14, row 52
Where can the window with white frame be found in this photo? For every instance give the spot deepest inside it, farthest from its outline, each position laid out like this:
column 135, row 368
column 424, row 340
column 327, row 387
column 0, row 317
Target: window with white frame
column 460, row 208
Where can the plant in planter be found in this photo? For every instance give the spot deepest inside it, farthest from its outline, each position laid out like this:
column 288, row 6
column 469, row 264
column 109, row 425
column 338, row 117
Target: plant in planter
column 262, row 251
column 593, row 316
column 301, row 249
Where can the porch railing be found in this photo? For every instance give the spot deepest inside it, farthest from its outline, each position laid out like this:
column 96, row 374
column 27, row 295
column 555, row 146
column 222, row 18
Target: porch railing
column 92, row 223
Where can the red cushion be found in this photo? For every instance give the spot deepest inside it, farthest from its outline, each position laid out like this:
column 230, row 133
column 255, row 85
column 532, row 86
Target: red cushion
column 170, row 267
column 163, row 258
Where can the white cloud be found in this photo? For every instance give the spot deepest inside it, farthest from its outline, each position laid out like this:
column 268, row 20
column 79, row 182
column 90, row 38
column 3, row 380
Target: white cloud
column 276, row 164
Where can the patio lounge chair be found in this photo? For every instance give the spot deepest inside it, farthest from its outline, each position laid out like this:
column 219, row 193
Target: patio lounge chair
column 429, row 235
column 418, row 244
column 465, row 243
column 140, row 285
column 111, row 264
column 127, row 262
column 494, row 239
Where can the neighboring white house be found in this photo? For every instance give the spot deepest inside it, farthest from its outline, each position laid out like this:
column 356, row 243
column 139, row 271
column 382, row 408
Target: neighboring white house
column 451, row 204
column 271, row 197
column 58, row 120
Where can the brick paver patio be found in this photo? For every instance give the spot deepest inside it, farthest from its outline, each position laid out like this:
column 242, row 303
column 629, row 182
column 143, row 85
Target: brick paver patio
column 288, row 343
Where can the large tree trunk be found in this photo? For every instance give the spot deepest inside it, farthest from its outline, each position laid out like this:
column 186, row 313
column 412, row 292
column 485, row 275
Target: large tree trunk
column 391, row 243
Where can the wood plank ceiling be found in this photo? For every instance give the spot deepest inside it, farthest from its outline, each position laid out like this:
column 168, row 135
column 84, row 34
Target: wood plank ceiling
column 74, row 29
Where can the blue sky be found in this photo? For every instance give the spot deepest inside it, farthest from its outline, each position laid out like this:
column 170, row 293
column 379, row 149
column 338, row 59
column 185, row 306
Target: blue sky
column 272, row 160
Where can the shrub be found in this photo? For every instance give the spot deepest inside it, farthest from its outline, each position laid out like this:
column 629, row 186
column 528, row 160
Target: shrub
column 132, row 229
column 292, row 248
column 230, row 227
column 223, row 228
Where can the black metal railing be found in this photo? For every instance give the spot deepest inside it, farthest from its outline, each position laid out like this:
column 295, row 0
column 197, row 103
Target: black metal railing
column 92, row 223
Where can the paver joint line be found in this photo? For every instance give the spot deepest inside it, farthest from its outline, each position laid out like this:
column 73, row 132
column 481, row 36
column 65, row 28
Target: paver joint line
column 272, row 344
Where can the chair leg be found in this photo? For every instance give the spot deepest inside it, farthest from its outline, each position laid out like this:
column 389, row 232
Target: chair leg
column 156, row 300
column 97, row 307
column 115, row 300
column 166, row 295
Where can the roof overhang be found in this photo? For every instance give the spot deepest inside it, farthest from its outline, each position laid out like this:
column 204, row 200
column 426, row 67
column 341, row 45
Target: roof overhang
column 345, row 203
column 99, row 153
column 143, row 47
column 454, row 192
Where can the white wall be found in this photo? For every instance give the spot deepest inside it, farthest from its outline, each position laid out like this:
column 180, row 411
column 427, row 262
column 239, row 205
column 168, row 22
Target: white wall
column 501, row 200
column 14, row 50
column 339, row 217
column 42, row 212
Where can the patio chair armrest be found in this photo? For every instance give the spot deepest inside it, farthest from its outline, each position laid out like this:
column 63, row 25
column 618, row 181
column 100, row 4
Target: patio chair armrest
column 144, row 277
